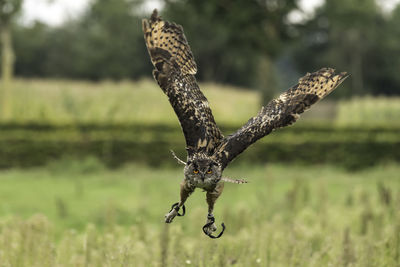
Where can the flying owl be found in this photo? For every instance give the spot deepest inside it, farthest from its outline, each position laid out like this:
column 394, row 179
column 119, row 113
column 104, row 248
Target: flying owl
column 208, row 151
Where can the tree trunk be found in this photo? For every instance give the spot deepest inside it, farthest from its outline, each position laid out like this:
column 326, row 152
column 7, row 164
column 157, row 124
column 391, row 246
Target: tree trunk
column 7, row 67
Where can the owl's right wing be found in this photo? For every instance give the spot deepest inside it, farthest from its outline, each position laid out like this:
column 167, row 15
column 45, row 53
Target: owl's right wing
column 174, row 71
column 280, row 112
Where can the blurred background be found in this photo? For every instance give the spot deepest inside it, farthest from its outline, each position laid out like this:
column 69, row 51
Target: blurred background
column 85, row 134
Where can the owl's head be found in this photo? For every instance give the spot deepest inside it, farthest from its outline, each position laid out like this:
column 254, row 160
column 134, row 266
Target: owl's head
column 202, row 172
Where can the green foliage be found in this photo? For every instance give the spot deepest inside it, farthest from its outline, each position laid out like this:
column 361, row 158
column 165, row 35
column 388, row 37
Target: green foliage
column 114, row 145
column 115, row 123
column 230, row 42
column 355, row 36
column 299, row 216
column 229, row 39
column 8, row 9
column 112, row 45
column 252, row 43
column 247, row 43
column 32, row 54
column 105, row 43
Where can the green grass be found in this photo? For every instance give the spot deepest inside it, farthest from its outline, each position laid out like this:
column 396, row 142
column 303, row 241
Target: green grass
column 60, row 102
column 369, row 110
column 66, row 102
column 81, row 214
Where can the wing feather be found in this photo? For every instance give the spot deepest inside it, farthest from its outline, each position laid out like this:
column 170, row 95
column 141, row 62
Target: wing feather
column 280, row 112
column 174, row 72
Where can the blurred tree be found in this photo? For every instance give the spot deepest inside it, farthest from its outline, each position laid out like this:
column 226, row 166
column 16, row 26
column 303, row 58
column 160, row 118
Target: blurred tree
column 105, row 43
column 111, row 41
column 247, row 43
column 31, row 44
column 384, row 59
column 235, row 41
column 8, row 9
column 352, row 36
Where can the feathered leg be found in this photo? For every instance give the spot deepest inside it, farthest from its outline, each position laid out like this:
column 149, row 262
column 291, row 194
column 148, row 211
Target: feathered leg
column 186, row 190
column 212, row 197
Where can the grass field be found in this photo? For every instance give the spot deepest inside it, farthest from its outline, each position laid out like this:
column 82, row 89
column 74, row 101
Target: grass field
column 81, row 214
column 117, row 102
column 60, row 102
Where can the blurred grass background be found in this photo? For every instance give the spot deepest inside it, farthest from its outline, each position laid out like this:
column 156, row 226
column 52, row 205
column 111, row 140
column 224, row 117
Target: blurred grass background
column 86, row 175
column 122, row 122
column 81, row 214
column 126, row 102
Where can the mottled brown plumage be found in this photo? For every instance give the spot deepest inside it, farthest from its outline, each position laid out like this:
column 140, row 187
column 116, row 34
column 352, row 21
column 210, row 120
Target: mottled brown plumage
column 174, row 71
column 209, row 152
column 280, row 112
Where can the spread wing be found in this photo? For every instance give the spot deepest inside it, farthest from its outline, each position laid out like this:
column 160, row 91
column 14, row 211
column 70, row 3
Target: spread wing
column 174, row 71
column 280, row 112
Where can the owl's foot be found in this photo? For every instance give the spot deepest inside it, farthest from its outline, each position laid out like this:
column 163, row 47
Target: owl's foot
column 210, row 227
column 169, row 217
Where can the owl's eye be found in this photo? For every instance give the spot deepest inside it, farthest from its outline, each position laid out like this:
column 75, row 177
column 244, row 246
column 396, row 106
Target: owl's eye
column 209, row 171
column 195, row 171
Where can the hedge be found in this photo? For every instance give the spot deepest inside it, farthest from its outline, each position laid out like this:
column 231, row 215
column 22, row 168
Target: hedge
column 30, row 145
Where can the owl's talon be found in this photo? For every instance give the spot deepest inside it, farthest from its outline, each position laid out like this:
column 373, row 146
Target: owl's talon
column 176, row 207
column 210, row 227
column 169, row 217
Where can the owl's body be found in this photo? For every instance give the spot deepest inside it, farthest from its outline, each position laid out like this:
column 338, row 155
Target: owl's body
column 208, row 151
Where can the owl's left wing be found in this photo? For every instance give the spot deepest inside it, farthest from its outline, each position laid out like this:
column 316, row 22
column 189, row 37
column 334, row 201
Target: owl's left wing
column 280, row 112
column 174, row 71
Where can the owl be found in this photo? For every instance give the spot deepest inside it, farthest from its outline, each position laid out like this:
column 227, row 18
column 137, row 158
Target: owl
column 208, row 151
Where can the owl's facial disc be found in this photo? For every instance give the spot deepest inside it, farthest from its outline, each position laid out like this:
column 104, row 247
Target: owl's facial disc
column 202, row 172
